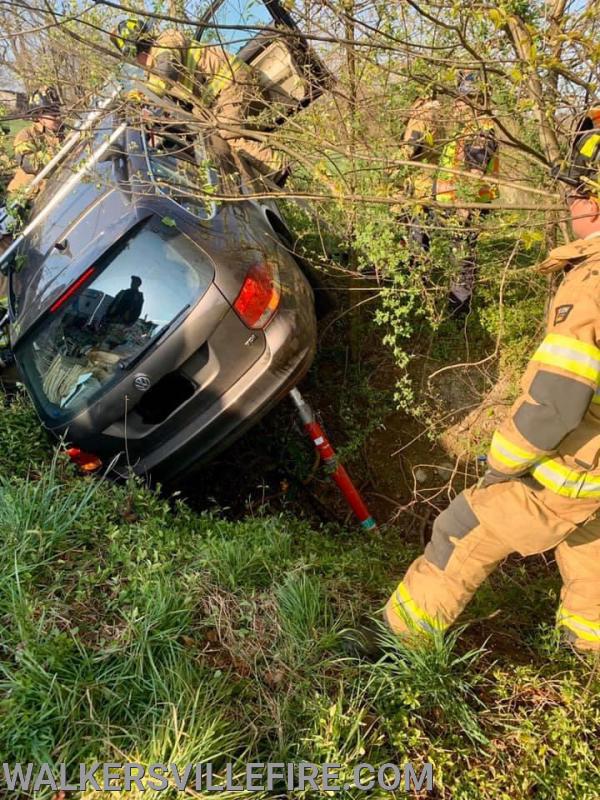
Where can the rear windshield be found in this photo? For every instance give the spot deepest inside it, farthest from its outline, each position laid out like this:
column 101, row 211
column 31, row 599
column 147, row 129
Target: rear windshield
column 132, row 296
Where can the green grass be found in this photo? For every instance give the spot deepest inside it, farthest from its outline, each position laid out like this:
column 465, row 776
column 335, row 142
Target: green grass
column 132, row 629
column 17, row 125
column 14, row 126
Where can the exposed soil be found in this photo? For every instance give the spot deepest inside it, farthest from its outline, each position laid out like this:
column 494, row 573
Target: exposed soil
column 405, row 470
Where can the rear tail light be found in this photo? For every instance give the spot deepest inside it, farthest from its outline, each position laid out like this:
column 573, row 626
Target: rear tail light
column 87, row 462
column 259, row 296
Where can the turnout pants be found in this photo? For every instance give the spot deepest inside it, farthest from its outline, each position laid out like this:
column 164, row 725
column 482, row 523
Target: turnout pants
column 477, row 531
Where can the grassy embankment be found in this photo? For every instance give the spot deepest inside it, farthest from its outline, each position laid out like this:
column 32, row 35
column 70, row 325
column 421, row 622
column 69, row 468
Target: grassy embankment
column 135, row 629
column 132, row 629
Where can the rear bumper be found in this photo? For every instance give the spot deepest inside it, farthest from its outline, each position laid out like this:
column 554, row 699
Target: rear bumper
column 281, row 366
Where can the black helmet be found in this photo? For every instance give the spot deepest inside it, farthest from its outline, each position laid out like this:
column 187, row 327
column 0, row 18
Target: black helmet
column 584, row 168
column 44, row 100
column 468, row 84
column 131, row 34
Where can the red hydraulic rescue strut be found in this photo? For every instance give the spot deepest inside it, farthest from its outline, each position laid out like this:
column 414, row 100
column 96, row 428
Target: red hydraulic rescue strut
column 329, row 458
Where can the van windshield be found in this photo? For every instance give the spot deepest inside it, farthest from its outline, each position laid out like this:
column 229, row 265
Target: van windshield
column 182, row 172
column 122, row 304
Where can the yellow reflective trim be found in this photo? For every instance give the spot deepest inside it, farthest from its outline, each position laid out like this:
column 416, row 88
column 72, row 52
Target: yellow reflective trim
column 403, row 605
column 573, row 344
column 543, row 473
column 448, row 154
column 589, row 146
column 507, row 462
column 582, row 627
column 225, row 76
column 572, row 355
column 28, row 145
column 509, row 453
column 193, row 58
column 447, row 159
column 220, row 81
column 157, row 85
column 562, row 612
column 581, row 634
column 217, row 82
column 567, row 482
column 24, row 148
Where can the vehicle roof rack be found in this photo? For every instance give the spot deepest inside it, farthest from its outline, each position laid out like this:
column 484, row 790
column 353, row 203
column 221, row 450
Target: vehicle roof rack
column 60, row 195
column 129, row 75
column 66, row 148
column 115, row 88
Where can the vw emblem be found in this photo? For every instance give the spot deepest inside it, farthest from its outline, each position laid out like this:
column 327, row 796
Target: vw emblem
column 142, row 382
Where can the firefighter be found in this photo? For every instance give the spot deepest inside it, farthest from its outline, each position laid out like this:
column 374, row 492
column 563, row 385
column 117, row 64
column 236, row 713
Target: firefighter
column 542, row 488
column 421, row 142
column 219, row 80
column 35, row 145
column 33, row 148
column 470, row 146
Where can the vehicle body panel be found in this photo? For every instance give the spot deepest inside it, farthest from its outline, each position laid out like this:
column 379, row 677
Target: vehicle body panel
column 210, row 376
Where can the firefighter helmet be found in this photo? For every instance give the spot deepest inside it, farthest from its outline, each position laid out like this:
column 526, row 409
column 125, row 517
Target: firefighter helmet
column 44, row 100
column 584, row 168
column 131, row 35
column 468, row 83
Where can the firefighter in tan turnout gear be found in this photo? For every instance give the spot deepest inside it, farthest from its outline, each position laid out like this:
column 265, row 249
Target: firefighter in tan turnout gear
column 457, row 139
column 35, row 145
column 219, row 80
column 471, row 146
column 542, row 490
column 421, row 143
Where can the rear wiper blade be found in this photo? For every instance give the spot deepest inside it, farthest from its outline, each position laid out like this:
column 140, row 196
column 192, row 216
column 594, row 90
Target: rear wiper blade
column 131, row 362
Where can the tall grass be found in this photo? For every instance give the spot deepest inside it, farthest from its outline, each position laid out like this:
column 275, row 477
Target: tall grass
column 305, row 615
column 132, row 630
column 251, row 560
column 37, row 514
column 434, row 679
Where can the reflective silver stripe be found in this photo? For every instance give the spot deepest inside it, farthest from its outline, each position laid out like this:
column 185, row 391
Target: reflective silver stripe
column 570, row 354
column 577, row 625
column 511, row 456
column 573, row 355
column 573, row 484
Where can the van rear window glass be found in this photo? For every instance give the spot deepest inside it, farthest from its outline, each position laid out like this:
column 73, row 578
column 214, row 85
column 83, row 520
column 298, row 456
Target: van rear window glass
column 129, row 299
